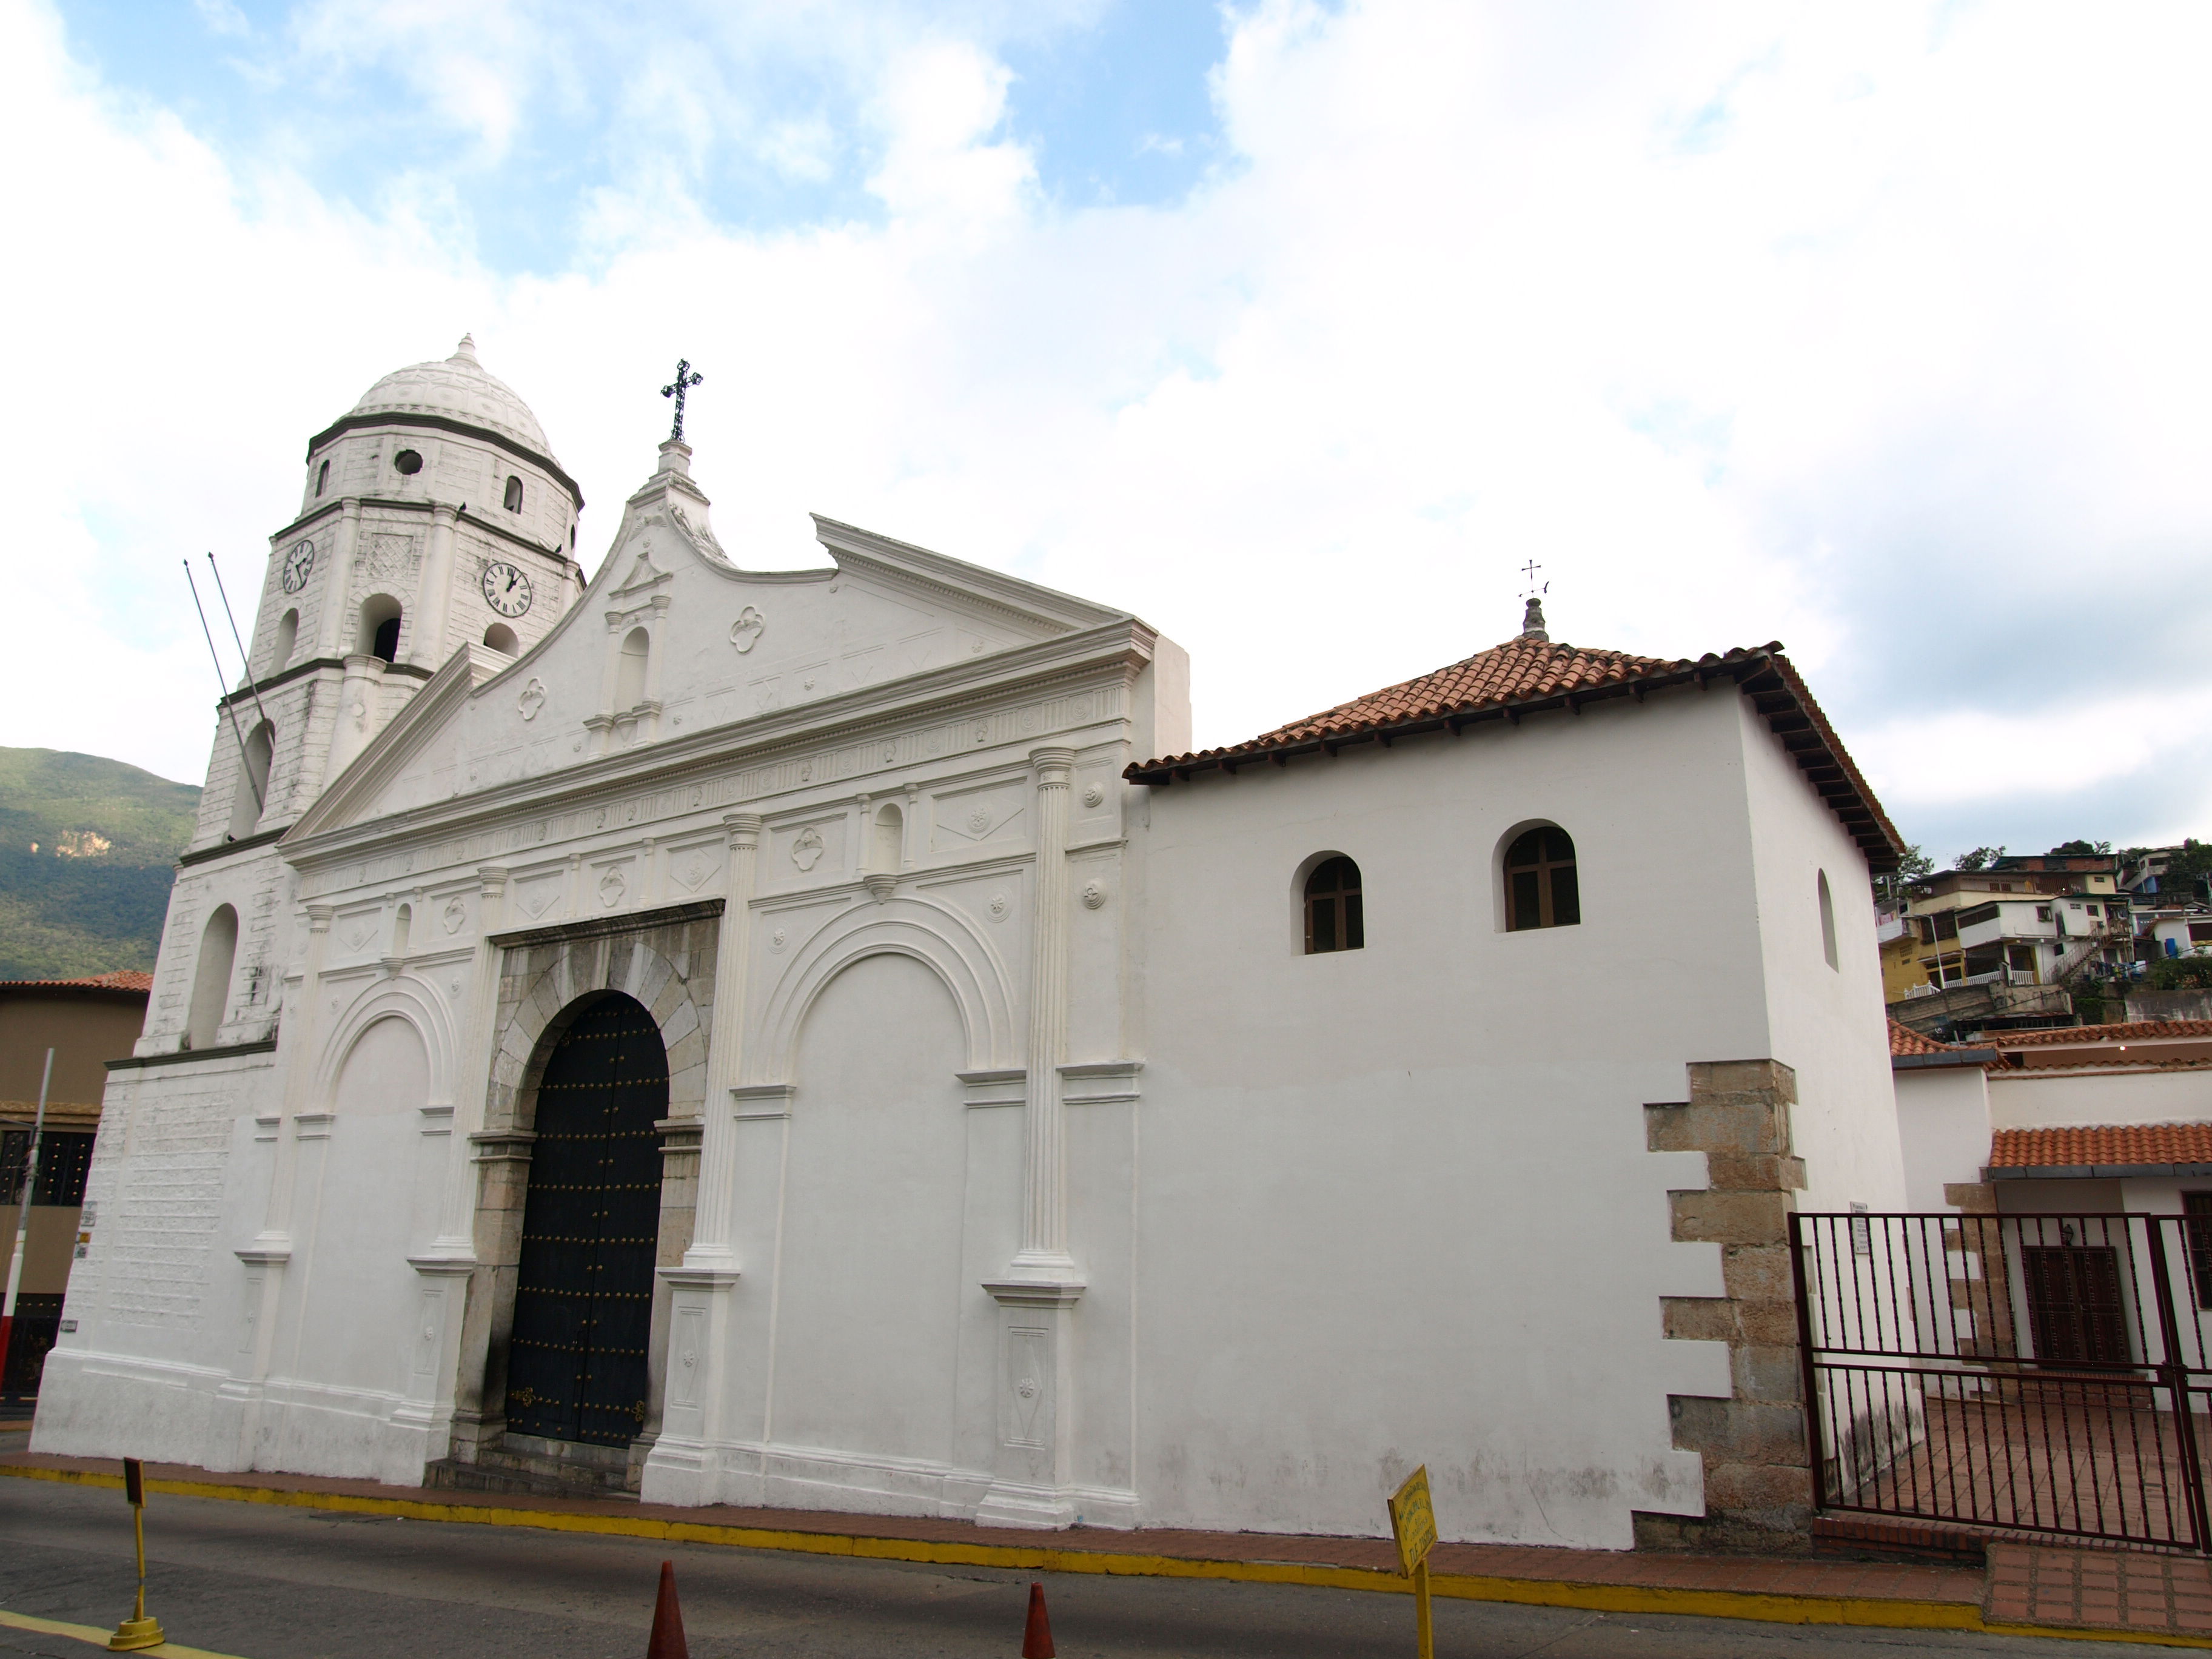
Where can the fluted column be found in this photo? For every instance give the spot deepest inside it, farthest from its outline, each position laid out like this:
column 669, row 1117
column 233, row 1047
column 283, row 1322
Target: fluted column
column 1044, row 1210
column 710, row 1235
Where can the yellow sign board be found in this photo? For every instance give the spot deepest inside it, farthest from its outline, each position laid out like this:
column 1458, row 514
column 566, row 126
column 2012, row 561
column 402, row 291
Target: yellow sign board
column 1413, row 1521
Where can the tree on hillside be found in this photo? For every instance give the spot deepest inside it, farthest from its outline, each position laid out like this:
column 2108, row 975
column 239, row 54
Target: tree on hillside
column 1981, row 859
column 2079, row 849
column 1914, row 865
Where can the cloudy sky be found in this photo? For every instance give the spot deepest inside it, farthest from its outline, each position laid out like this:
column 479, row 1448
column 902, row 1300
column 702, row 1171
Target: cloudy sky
column 1882, row 329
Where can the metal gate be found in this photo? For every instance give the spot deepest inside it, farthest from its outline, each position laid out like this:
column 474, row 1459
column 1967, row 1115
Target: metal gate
column 2043, row 1373
column 591, row 1223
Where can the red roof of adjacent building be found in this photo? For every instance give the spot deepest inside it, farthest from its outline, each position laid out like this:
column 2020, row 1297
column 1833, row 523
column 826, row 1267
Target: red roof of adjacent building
column 1903, row 1040
column 1526, row 675
column 2139, row 1030
column 2109, row 1146
column 123, row 979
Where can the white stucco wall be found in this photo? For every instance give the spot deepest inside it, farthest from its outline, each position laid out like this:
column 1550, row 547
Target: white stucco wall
column 2032, row 1099
column 1401, row 1156
column 1943, row 1129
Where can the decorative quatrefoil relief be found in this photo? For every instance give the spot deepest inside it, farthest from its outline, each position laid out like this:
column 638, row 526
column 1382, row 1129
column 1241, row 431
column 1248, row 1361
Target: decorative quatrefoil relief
column 806, row 851
column 455, row 915
column 611, row 887
column 745, row 632
column 532, row 698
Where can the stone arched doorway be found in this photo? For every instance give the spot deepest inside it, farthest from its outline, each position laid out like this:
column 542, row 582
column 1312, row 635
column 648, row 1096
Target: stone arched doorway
column 579, row 1353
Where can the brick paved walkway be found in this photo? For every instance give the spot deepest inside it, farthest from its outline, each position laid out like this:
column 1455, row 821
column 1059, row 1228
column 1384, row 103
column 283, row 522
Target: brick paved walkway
column 2058, row 1589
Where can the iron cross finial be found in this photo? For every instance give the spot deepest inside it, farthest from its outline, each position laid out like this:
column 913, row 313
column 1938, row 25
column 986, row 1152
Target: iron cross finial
column 686, row 378
column 1530, row 570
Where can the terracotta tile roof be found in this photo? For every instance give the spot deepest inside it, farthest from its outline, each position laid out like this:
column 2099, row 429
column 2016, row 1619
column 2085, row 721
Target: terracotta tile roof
column 1524, row 675
column 2108, row 1146
column 123, row 979
column 1903, row 1040
column 2139, row 1030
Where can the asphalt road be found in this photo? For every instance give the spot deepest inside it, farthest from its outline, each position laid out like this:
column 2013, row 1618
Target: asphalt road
column 265, row 1582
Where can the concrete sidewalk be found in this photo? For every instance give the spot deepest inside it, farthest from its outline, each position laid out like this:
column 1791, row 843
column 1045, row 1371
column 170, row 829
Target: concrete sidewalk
column 2024, row 1590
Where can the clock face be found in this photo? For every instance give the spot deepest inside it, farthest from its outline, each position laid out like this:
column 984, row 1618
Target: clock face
column 506, row 589
column 298, row 565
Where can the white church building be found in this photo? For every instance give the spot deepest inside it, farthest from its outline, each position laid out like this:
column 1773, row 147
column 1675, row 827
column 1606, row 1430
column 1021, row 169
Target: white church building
column 817, row 1038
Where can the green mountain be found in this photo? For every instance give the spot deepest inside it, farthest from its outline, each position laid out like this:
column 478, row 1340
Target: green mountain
column 87, row 850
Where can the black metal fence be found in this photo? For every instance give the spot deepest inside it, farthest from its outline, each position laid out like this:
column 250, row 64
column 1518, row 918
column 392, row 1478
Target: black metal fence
column 2046, row 1373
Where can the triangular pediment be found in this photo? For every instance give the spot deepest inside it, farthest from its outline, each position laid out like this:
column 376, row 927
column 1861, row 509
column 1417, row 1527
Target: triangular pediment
column 732, row 651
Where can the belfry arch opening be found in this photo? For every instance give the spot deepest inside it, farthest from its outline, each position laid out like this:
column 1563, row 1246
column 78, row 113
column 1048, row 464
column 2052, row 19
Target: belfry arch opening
column 211, row 977
column 576, row 1369
column 250, row 798
column 380, row 617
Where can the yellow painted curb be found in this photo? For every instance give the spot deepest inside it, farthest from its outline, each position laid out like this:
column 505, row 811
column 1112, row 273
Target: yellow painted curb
column 1864, row 1611
column 98, row 1638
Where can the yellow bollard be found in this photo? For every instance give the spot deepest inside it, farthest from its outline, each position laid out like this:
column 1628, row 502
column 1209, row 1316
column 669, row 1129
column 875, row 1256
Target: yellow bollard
column 137, row 1631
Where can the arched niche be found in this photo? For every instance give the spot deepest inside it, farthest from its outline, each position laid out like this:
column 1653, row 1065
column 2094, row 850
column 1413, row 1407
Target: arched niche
column 250, row 798
column 933, row 934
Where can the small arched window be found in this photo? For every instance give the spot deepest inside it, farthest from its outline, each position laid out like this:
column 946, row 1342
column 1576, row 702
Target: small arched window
column 515, row 495
column 380, row 627
column 629, row 673
column 1827, row 922
column 500, row 637
column 402, row 926
column 1333, row 912
column 248, row 800
column 322, row 477
column 211, row 978
column 1540, row 889
column 288, row 637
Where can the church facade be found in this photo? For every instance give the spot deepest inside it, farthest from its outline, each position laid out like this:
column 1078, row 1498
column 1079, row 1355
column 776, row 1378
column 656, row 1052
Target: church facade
column 820, row 1038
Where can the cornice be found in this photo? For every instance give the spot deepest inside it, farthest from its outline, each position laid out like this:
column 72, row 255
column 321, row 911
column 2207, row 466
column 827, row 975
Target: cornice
column 461, row 429
column 941, row 575
column 950, row 691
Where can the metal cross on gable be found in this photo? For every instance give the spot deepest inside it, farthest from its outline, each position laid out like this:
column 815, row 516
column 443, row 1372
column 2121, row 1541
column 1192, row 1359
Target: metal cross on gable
column 686, row 378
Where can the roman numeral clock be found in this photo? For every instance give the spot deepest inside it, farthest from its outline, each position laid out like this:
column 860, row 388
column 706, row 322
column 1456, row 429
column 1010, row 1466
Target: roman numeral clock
column 506, row 589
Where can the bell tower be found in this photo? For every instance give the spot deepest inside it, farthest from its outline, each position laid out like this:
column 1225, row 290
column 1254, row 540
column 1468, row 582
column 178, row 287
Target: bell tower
column 433, row 518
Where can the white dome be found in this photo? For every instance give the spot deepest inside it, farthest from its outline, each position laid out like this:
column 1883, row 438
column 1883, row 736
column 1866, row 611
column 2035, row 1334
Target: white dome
column 460, row 389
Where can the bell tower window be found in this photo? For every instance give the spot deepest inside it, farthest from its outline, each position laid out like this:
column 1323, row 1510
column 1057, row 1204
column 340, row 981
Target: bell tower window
column 500, row 637
column 322, row 477
column 288, row 637
column 629, row 672
column 380, row 627
column 515, row 495
column 252, row 795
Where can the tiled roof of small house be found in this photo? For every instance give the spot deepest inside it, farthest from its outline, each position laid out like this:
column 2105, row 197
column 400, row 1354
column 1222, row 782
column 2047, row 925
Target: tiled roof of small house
column 2122, row 1145
column 2139, row 1030
column 1527, row 674
column 1903, row 1040
column 123, row 979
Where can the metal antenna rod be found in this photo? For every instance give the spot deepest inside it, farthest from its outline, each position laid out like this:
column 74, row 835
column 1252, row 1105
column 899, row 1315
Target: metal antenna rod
column 246, row 661
column 224, row 700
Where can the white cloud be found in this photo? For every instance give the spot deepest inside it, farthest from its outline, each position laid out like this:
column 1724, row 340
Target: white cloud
column 1876, row 328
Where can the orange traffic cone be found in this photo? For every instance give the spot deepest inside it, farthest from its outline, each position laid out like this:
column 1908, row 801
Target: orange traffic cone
column 1036, row 1638
column 667, row 1641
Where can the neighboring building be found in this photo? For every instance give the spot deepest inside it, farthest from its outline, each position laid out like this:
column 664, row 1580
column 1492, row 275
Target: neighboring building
column 2088, row 1119
column 818, row 1038
column 2026, row 919
column 87, row 1023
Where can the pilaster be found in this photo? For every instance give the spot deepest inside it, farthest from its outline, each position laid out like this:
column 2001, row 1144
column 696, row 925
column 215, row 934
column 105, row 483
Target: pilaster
column 434, row 598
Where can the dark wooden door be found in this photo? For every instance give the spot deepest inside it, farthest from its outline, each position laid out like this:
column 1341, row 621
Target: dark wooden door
column 2074, row 1310
column 583, row 1301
